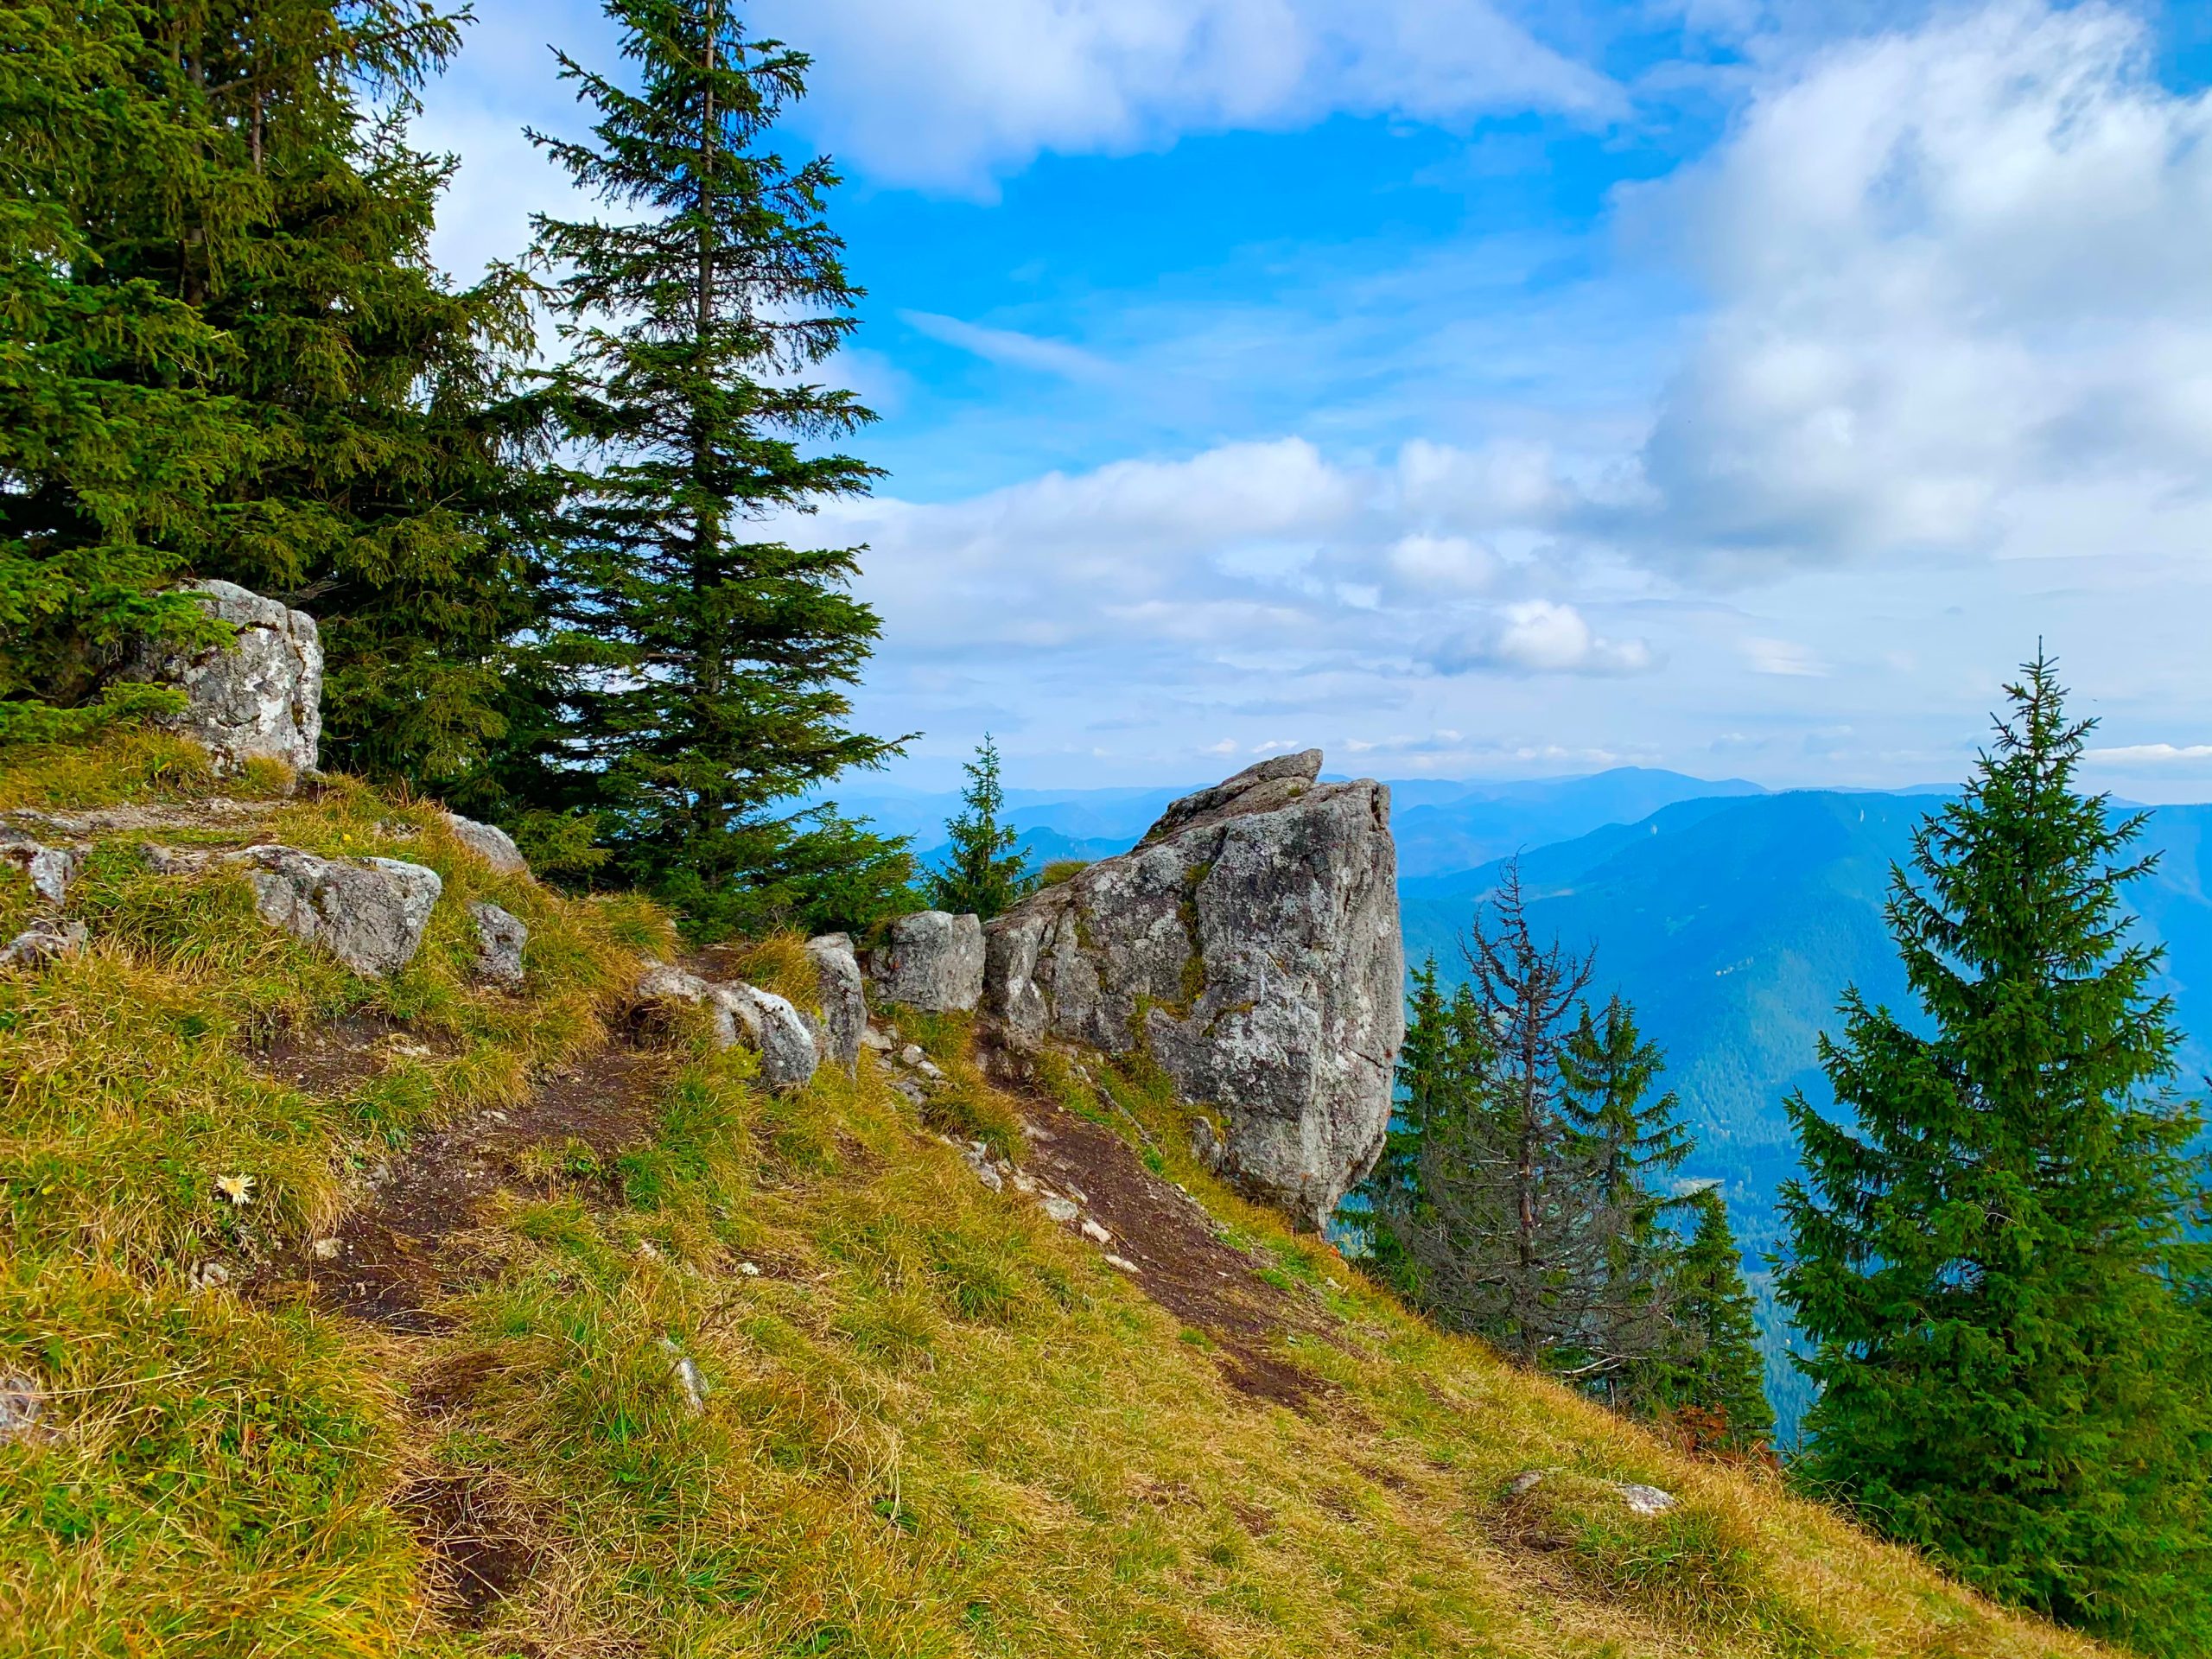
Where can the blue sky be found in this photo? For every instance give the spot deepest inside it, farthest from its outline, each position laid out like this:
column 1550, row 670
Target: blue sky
column 1474, row 389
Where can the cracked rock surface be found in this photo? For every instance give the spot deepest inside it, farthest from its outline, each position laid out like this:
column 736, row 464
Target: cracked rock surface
column 1250, row 945
column 260, row 697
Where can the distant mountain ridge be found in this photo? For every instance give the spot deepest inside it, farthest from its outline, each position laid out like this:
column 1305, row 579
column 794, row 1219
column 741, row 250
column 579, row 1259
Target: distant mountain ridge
column 1441, row 825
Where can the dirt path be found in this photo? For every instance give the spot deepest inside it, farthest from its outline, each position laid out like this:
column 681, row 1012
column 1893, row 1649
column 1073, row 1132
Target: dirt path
column 386, row 1266
column 1182, row 1261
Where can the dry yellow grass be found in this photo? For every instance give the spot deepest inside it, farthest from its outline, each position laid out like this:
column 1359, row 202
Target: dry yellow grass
column 934, row 1424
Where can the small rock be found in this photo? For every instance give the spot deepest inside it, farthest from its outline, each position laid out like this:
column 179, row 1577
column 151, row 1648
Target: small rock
column 1122, row 1264
column 323, row 1250
column 759, row 1020
column 911, row 1055
column 491, row 844
column 1644, row 1500
column 1526, row 1481
column 1095, row 1233
column 50, row 869
column 843, row 1025
column 209, row 1274
column 1077, row 1193
column 988, row 1177
column 1023, row 1183
column 1061, row 1209
column 500, row 937
column 874, row 1038
column 750, row 1269
column 22, row 1404
column 44, row 940
column 685, row 1369
column 929, row 1069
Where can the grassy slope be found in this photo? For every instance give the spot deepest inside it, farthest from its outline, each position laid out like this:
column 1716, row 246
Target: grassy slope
column 936, row 1425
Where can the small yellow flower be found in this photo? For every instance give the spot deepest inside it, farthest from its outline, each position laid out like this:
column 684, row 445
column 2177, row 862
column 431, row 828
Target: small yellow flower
column 239, row 1189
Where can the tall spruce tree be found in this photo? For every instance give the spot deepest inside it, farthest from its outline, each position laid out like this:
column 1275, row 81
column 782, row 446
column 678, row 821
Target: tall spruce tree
column 237, row 360
column 1712, row 1374
column 987, row 872
column 708, row 658
column 1633, row 1141
column 1443, row 1069
column 1990, row 1244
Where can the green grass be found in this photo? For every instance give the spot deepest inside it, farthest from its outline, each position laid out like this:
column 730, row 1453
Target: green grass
column 934, row 1424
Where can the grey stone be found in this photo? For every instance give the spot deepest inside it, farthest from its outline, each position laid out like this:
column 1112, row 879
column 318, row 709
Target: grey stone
column 500, row 937
column 744, row 1015
column 259, row 696
column 491, row 844
column 1644, row 1500
column 911, row 1055
column 931, row 960
column 1061, row 1209
column 368, row 913
column 44, row 940
column 839, row 1033
column 22, row 1410
column 1250, row 945
column 50, row 869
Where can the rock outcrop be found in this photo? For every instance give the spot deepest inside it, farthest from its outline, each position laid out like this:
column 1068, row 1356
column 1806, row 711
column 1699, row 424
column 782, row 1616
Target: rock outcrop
column 844, row 1001
column 261, row 696
column 491, row 844
column 1249, row 943
column 931, row 960
column 743, row 1015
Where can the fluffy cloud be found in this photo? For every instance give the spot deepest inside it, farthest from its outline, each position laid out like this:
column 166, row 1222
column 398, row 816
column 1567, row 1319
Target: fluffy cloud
column 950, row 97
column 1962, row 305
column 1242, row 556
column 1538, row 636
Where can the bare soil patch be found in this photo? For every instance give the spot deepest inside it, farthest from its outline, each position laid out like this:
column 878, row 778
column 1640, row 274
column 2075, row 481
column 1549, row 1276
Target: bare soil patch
column 387, row 1267
column 478, row 1559
column 1183, row 1264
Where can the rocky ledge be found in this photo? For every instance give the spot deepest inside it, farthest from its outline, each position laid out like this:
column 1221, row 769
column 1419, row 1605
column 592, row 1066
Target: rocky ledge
column 1250, row 945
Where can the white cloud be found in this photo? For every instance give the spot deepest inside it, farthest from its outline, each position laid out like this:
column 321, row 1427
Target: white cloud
column 1962, row 305
column 1782, row 658
column 2150, row 755
column 1012, row 348
column 1442, row 565
column 1539, row 636
column 952, row 96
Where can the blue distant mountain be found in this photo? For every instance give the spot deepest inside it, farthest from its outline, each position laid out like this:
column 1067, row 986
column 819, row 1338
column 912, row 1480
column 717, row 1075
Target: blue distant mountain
column 1734, row 925
column 1440, row 825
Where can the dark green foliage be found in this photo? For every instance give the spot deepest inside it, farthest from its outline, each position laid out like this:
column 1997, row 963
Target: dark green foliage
column 1713, row 1366
column 987, row 873
column 1989, row 1259
column 703, row 661
column 230, row 356
column 1512, row 1199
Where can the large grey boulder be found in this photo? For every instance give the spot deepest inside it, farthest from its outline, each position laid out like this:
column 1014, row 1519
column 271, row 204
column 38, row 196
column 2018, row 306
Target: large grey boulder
column 844, row 1000
column 368, row 913
column 744, row 1015
column 491, row 844
column 1250, row 945
column 259, row 696
column 931, row 960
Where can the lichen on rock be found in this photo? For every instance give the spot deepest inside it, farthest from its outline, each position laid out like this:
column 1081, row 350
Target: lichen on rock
column 258, row 697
